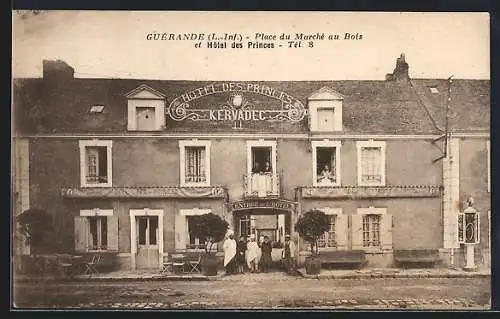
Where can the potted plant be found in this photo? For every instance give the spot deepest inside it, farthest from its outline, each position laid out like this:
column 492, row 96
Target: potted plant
column 311, row 226
column 212, row 228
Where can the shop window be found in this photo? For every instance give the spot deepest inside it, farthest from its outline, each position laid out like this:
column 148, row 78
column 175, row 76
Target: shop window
column 371, row 163
column 371, row 229
column 195, row 163
column 326, row 163
column 95, row 163
column 96, row 230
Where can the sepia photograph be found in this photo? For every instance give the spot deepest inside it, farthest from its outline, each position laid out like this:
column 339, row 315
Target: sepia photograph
column 250, row 160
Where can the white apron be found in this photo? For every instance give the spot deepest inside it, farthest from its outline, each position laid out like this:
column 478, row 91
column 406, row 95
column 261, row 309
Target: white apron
column 229, row 250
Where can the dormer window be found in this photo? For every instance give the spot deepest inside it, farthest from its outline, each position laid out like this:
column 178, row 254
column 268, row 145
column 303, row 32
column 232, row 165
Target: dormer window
column 325, row 110
column 146, row 109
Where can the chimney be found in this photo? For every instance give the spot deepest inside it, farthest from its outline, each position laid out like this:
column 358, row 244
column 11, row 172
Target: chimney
column 400, row 72
column 57, row 70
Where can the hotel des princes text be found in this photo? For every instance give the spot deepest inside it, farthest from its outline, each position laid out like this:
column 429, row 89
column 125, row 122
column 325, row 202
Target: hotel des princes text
column 126, row 165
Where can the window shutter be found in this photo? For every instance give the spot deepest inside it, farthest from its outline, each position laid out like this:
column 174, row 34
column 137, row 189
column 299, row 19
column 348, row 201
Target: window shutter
column 341, row 231
column 386, row 231
column 180, row 231
column 113, row 233
column 81, row 233
column 477, row 228
column 357, row 231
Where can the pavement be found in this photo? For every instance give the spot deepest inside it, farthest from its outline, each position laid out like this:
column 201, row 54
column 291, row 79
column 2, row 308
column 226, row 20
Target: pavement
column 154, row 275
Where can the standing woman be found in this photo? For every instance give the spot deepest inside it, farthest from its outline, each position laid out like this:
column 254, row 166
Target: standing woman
column 230, row 254
column 266, row 259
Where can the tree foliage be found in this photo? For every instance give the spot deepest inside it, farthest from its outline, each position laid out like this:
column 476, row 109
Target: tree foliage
column 36, row 226
column 211, row 227
column 311, row 226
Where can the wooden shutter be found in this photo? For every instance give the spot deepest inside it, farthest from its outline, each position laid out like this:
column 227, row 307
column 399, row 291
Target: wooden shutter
column 357, row 231
column 341, row 231
column 180, row 231
column 386, row 231
column 112, row 233
column 81, row 233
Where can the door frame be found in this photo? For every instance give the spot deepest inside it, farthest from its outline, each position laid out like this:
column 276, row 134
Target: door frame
column 133, row 234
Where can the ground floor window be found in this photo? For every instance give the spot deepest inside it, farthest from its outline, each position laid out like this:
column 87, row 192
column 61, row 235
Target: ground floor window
column 98, row 227
column 329, row 238
column 371, row 230
column 194, row 242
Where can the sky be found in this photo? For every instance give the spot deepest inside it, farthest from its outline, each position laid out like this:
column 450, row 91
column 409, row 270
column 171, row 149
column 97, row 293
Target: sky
column 113, row 44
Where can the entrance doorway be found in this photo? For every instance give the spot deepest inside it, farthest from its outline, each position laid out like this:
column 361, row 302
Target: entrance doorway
column 146, row 238
column 147, row 241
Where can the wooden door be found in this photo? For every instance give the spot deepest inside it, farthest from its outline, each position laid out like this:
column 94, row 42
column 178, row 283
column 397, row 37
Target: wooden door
column 147, row 242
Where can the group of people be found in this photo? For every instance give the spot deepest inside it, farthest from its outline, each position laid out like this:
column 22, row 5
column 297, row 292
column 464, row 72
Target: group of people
column 254, row 256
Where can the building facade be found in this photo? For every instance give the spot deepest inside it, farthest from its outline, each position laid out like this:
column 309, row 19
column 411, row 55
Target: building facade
column 127, row 165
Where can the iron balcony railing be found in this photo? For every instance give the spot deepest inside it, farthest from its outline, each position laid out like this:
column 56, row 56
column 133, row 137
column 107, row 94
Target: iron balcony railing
column 261, row 184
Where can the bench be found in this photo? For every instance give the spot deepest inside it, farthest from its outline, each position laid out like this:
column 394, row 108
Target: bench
column 416, row 257
column 342, row 258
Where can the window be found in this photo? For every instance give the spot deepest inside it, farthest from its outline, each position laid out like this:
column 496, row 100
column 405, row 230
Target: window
column 185, row 224
column 371, row 229
column 195, row 163
column 329, row 238
column 371, row 163
column 261, row 179
column 95, row 163
column 147, row 230
column 325, row 110
column 326, row 163
column 146, row 109
column 98, row 233
column 193, row 241
column 96, row 229
column 434, row 90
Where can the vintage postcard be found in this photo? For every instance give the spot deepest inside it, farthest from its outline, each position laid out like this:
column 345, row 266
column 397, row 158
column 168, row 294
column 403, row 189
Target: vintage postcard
column 250, row 160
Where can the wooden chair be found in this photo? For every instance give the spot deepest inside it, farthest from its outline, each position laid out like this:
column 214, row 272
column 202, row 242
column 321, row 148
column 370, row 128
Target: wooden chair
column 195, row 265
column 168, row 265
column 91, row 266
column 178, row 262
column 65, row 265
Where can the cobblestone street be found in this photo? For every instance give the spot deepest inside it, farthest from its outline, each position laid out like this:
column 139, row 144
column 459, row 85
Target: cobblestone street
column 273, row 290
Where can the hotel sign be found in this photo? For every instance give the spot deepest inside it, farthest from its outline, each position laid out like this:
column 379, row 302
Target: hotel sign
column 237, row 106
column 263, row 203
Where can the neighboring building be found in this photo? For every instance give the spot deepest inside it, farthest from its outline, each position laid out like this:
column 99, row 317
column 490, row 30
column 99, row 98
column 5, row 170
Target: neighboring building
column 126, row 165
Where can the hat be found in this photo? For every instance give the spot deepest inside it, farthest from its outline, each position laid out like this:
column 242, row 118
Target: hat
column 287, row 236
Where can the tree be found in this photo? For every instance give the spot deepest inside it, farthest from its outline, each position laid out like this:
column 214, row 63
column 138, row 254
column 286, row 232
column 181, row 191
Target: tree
column 311, row 226
column 211, row 227
column 36, row 226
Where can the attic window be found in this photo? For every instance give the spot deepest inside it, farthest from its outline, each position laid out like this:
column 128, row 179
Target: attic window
column 96, row 108
column 434, row 90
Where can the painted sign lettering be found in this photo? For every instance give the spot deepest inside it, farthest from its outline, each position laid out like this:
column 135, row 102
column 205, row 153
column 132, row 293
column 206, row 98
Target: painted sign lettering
column 237, row 106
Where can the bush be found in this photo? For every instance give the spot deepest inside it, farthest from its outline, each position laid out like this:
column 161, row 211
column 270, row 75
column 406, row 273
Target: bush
column 311, row 226
column 211, row 227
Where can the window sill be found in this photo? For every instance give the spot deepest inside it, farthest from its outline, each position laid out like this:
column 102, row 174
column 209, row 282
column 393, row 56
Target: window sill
column 194, row 185
column 97, row 185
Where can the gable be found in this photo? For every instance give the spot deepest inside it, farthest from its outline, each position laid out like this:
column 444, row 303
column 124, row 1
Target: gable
column 145, row 92
column 325, row 93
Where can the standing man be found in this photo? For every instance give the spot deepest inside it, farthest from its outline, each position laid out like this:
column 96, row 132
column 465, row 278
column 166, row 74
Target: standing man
column 241, row 248
column 288, row 255
column 230, row 254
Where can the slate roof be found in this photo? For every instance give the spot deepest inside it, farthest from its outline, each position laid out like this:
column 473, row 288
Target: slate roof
column 371, row 107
